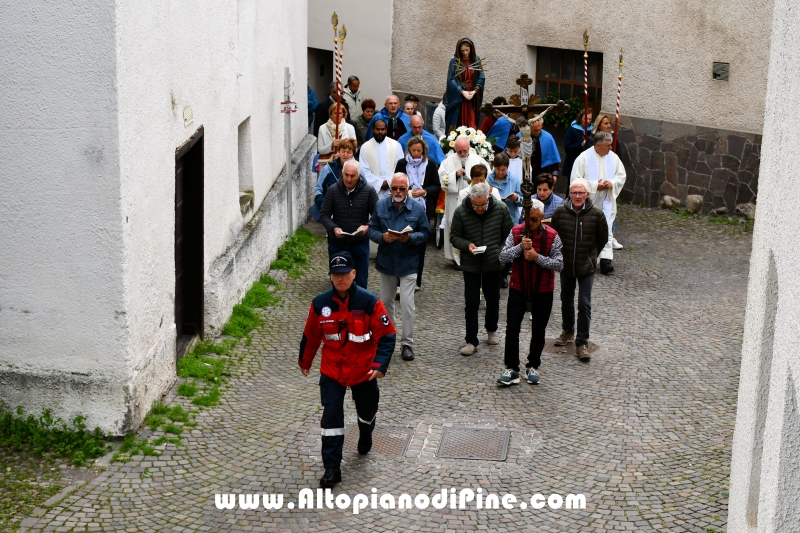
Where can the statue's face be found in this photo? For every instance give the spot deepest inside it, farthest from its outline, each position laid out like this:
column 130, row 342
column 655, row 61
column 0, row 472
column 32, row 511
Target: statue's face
column 465, row 48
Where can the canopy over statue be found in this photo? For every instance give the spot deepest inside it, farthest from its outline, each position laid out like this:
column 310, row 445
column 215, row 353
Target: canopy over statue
column 465, row 82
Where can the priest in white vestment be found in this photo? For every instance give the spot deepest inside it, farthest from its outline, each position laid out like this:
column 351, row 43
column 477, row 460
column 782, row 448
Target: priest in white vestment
column 605, row 173
column 454, row 175
column 378, row 158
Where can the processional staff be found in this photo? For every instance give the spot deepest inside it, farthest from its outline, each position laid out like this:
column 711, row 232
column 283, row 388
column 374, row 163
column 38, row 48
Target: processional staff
column 619, row 92
column 585, row 83
column 338, row 58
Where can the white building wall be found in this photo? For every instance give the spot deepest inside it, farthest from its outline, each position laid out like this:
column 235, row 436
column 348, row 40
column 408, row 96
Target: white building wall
column 62, row 310
column 367, row 47
column 90, row 121
column 765, row 469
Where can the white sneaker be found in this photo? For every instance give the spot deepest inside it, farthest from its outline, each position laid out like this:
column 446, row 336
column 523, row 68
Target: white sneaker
column 616, row 245
column 469, row 349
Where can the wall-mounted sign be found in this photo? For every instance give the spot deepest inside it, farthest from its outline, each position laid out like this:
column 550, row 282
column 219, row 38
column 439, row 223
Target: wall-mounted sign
column 188, row 115
column 288, row 107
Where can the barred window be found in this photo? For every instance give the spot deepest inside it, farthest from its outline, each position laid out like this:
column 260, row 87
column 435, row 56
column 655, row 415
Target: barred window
column 561, row 71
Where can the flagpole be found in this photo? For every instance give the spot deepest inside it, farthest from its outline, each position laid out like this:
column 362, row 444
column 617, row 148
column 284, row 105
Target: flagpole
column 619, row 92
column 585, row 83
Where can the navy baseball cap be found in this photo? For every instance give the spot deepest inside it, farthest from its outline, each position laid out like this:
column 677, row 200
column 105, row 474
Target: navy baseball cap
column 341, row 262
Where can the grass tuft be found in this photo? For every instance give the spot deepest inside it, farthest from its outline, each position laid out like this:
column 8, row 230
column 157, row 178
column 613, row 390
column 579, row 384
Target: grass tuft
column 187, row 389
column 47, row 436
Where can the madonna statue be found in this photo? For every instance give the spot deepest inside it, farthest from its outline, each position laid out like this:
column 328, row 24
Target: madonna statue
column 465, row 81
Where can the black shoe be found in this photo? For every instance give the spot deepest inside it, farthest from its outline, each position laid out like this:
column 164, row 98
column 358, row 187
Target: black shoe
column 331, row 477
column 504, row 282
column 456, row 266
column 606, row 266
column 365, row 437
column 407, row 353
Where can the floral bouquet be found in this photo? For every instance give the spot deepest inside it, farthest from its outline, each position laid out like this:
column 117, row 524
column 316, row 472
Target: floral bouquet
column 478, row 143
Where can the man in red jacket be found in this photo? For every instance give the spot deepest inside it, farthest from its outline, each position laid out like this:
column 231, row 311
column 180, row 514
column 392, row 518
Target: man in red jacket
column 358, row 340
column 536, row 257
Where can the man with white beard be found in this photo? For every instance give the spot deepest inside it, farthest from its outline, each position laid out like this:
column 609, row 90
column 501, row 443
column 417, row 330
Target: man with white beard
column 399, row 226
column 454, row 175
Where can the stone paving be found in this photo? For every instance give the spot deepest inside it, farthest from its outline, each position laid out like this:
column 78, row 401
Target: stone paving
column 643, row 430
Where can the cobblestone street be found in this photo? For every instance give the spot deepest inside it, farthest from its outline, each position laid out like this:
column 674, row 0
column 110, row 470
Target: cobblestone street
column 643, row 430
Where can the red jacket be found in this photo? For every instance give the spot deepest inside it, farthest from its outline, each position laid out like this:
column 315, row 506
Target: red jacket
column 356, row 335
column 548, row 276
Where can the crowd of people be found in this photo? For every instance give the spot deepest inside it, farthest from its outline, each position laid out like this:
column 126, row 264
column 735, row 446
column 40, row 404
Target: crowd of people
column 388, row 186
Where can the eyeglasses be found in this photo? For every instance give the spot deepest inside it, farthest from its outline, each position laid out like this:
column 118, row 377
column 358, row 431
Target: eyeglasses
column 480, row 206
column 399, row 188
column 578, row 193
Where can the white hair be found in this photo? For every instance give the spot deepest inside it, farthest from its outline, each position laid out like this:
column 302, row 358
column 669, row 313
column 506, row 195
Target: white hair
column 580, row 182
column 352, row 163
column 602, row 136
column 402, row 175
column 463, row 137
column 479, row 190
column 537, row 205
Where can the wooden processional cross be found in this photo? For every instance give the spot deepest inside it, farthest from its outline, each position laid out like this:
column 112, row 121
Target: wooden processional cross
column 525, row 108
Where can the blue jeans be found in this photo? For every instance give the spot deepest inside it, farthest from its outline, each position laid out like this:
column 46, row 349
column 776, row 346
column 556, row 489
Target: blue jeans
column 584, row 306
column 360, row 253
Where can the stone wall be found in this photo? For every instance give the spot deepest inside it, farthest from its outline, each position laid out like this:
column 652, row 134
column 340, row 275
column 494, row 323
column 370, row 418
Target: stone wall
column 668, row 158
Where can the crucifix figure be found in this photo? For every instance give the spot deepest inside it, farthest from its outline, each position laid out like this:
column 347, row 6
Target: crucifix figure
column 524, row 123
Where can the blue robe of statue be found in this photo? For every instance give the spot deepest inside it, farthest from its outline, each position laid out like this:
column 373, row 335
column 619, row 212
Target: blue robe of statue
column 456, row 84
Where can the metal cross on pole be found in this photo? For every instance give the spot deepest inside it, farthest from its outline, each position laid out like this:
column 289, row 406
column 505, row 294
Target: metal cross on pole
column 523, row 121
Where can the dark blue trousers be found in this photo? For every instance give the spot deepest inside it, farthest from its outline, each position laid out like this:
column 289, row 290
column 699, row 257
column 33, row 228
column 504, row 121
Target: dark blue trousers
column 365, row 396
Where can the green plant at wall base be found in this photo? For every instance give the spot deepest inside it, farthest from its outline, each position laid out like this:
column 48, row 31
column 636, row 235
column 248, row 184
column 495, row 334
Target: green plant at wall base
column 45, row 436
column 243, row 320
column 294, row 252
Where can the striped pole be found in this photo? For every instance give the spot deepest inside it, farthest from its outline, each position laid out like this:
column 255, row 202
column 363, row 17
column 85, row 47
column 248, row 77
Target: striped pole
column 619, row 92
column 337, row 72
column 585, row 83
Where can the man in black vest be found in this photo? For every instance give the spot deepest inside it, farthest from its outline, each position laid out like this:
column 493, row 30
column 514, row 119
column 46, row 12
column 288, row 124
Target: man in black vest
column 536, row 256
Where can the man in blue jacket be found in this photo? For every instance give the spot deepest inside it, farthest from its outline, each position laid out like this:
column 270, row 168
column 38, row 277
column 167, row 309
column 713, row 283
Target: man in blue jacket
column 397, row 122
column 435, row 153
column 399, row 226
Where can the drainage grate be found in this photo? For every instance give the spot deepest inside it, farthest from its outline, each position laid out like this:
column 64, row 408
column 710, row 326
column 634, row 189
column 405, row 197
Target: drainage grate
column 385, row 440
column 569, row 349
column 485, row 444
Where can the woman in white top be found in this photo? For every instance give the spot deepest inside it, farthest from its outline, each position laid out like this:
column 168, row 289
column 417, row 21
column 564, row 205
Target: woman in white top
column 325, row 141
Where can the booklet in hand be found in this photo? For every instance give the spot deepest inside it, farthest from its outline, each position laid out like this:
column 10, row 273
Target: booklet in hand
column 478, row 250
column 407, row 229
column 356, row 232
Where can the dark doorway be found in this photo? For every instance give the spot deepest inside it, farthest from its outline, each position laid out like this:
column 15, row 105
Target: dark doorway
column 189, row 241
column 320, row 72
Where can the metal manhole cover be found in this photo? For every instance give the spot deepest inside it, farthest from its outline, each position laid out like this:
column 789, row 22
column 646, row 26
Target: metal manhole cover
column 464, row 443
column 385, row 440
column 569, row 349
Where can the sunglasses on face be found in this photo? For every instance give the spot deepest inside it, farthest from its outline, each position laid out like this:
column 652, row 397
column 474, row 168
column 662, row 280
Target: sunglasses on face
column 398, row 188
